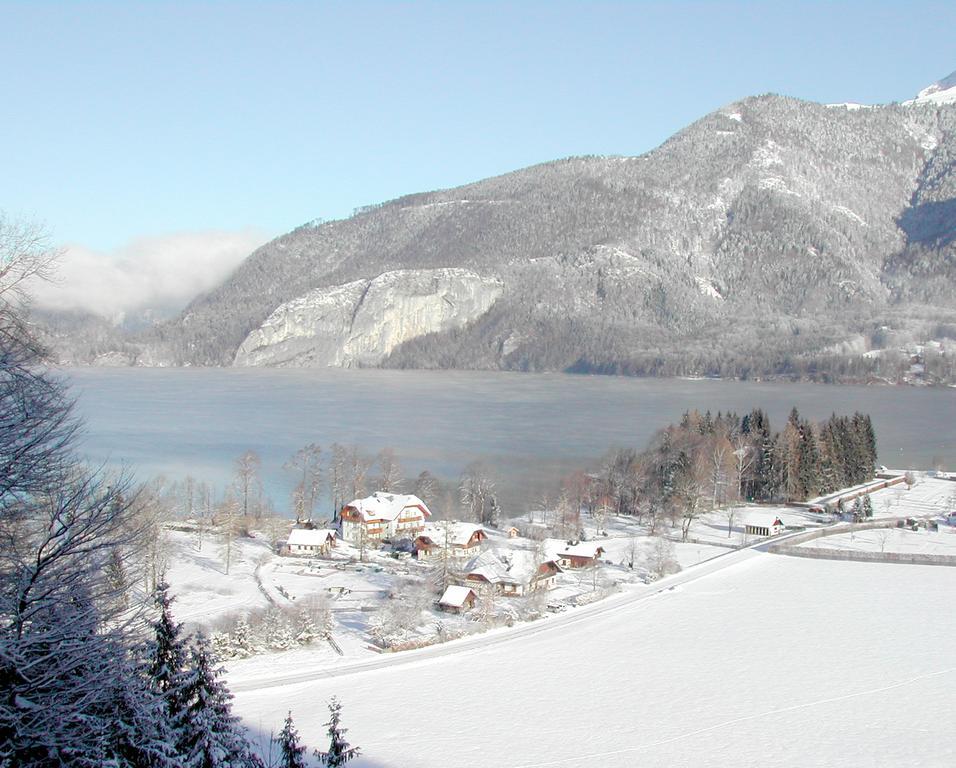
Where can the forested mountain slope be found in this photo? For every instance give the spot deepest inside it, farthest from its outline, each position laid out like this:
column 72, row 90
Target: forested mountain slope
column 767, row 237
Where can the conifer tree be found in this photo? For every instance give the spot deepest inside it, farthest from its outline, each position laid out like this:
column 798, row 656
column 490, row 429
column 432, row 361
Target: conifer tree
column 291, row 751
column 167, row 657
column 209, row 735
column 340, row 751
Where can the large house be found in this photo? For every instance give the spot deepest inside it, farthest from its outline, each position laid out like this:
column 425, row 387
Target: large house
column 510, row 572
column 581, row 555
column 461, row 540
column 383, row 516
column 305, row 541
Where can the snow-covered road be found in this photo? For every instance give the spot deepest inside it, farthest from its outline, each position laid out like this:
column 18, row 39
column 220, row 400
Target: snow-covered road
column 751, row 659
column 251, row 677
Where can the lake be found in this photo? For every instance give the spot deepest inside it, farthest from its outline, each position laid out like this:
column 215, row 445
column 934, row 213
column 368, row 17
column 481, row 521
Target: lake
column 528, row 428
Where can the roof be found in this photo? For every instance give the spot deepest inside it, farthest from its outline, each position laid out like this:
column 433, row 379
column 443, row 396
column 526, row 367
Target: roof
column 764, row 521
column 459, row 534
column 306, row 536
column 456, row 596
column 386, row 506
column 512, row 566
column 587, row 549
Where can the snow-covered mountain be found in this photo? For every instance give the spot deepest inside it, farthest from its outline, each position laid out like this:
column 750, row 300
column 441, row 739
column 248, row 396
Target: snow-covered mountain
column 940, row 92
column 767, row 233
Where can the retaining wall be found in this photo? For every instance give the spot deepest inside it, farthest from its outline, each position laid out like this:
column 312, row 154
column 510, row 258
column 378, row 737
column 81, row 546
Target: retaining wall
column 914, row 558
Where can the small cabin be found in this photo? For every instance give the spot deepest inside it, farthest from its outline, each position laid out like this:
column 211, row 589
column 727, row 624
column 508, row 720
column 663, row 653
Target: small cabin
column 456, row 599
column 580, row 555
column 764, row 527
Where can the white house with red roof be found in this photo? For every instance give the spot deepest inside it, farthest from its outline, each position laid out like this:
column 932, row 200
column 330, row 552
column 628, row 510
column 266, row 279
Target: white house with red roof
column 306, row 541
column 763, row 526
column 383, row 516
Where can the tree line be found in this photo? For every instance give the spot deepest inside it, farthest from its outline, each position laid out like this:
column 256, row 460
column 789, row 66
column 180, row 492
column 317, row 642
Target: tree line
column 707, row 462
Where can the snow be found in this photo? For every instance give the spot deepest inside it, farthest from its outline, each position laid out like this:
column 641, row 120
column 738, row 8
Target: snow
column 851, row 106
column 455, row 596
column 457, row 533
column 750, row 660
column 305, row 537
column 850, row 214
column 386, row 506
column 581, row 549
column 902, row 540
column 198, row 579
column 707, row 288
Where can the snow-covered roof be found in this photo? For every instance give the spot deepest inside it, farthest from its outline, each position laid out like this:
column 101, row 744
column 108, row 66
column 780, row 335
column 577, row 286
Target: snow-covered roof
column 581, row 549
column 514, row 566
column 459, row 534
column 763, row 521
column 455, row 596
column 305, row 536
column 386, row 506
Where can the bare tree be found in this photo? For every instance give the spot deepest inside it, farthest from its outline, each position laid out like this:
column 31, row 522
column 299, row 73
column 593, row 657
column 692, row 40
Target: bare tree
column 477, row 493
column 247, row 484
column 229, row 522
column 337, row 475
column 306, row 464
column 427, row 488
column 391, row 479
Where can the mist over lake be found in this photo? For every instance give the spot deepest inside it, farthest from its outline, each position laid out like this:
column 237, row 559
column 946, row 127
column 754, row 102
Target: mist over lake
column 529, row 429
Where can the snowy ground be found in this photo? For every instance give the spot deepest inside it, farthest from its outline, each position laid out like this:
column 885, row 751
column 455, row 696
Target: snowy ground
column 762, row 660
column 942, row 542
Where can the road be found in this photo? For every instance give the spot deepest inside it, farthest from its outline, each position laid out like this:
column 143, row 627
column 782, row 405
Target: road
column 632, row 594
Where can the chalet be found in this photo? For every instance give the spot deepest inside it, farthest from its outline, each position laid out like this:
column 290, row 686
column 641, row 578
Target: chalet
column 305, row 541
column 462, row 540
column 513, row 533
column 763, row 527
column 580, row 555
column 457, row 599
column 383, row 516
column 510, row 573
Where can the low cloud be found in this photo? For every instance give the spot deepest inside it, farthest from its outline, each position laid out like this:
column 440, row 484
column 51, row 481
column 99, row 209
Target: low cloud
column 160, row 274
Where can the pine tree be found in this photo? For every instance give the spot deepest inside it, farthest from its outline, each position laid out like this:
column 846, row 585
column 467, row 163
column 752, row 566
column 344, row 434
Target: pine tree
column 167, row 657
column 291, row 751
column 208, row 734
column 340, row 752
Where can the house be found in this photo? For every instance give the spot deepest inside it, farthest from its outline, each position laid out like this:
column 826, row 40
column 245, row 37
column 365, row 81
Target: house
column 383, row 516
column 306, row 541
column 513, row 533
column 581, row 555
column 761, row 526
column 462, row 540
column 457, row 599
column 510, row 572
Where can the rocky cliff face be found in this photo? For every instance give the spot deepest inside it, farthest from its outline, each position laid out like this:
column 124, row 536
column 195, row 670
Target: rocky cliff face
column 752, row 242
column 361, row 322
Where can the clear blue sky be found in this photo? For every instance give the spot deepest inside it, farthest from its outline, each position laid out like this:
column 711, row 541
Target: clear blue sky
column 131, row 119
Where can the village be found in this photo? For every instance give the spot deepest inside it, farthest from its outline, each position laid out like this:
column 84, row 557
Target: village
column 386, row 576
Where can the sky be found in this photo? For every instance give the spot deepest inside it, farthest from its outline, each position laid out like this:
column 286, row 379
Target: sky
column 129, row 124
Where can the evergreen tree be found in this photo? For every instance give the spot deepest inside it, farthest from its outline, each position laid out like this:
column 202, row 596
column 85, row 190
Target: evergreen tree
column 340, row 752
column 291, row 751
column 167, row 657
column 208, row 734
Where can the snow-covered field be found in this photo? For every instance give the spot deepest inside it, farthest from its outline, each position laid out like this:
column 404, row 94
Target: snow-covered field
column 770, row 661
column 941, row 542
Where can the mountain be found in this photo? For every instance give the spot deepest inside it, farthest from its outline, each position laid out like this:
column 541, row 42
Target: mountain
column 941, row 92
column 772, row 236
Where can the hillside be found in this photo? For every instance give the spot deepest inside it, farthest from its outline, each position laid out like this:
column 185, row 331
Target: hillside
column 771, row 236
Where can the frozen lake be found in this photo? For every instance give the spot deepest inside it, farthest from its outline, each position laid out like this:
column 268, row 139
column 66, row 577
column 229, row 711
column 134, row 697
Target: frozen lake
column 528, row 428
